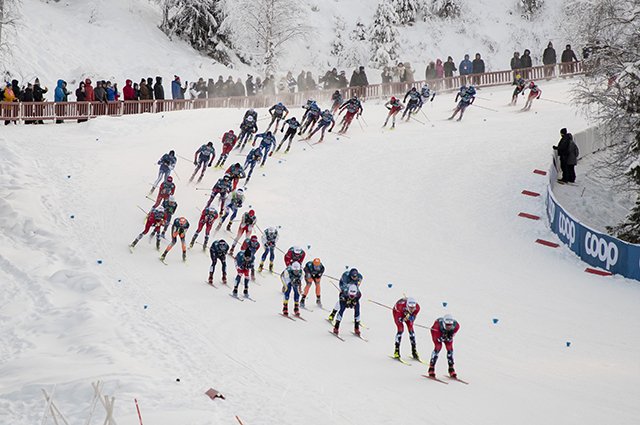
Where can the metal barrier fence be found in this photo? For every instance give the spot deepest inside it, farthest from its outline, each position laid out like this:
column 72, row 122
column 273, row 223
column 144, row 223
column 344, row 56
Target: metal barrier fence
column 60, row 111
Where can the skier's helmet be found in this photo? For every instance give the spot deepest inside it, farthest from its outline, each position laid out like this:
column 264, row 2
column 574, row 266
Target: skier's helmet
column 326, row 112
column 169, row 179
column 254, row 238
column 160, row 208
column 210, row 144
column 352, row 291
column 231, row 132
column 172, row 153
column 280, row 104
column 297, row 250
column 252, row 213
column 448, row 321
column 182, row 221
column 226, row 177
column 250, row 118
column 239, row 191
column 532, row 84
column 353, row 273
column 393, row 99
column 269, row 133
column 411, row 304
column 316, row 262
column 247, row 253
column 296, row 267
column 210, row 211
column 414, row 89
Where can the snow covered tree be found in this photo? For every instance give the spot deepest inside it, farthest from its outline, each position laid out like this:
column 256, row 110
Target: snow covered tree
column 444, row 8
column 8, row 17
column 530, row 8
column 384, row 35
column 610, row 93
column 359, row 32
column 199, row 23
column 263, row 28
column 406, row 10
column 337, row 46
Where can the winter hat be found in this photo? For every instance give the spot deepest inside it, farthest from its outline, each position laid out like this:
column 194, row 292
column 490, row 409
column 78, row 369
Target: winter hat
column 37, row 81
column 563, row 131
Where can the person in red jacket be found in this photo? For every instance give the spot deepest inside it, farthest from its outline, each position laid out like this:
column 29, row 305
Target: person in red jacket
column 167, row 188
column 294, row 254
column 405, row 311
column 207, row 218
column 229, row 140
column 155, row 219
column 442, row 331
column 128, row 91
column 247, row 222
column 88, row 89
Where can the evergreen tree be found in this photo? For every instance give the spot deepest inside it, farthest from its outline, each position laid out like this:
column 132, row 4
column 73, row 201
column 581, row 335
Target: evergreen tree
column 199, row 23
column 407, row 10
column 384, row 35
column 444, row 8
column 359, row 33
column 337, row 46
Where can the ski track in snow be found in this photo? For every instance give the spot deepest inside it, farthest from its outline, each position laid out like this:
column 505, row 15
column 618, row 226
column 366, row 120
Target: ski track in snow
column 431, row 209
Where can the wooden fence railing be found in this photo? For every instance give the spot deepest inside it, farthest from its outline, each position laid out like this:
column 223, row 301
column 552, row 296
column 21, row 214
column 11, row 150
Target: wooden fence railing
column 40, row 111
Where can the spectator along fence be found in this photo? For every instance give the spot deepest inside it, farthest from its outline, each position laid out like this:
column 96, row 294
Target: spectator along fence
column 40, row 111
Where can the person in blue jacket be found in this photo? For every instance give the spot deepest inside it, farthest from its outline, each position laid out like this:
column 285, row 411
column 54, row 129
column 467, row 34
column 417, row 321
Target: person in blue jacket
column 167, row 163
column 61, row 93
column 267, row 144
column 466, row 66
column 253, row 157
column 278, row 112
column 177, row 92
column 244, row 264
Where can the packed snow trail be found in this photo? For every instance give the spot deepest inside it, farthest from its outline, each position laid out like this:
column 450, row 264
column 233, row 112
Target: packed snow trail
column 428, row 211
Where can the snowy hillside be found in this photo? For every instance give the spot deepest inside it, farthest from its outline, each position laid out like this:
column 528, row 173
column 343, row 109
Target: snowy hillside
column 428, row 211
column 119, row 39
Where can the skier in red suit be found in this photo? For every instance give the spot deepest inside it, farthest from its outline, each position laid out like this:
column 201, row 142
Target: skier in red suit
column 294, row 254
column 167, row 188
column 442, row 331
column 405, row 311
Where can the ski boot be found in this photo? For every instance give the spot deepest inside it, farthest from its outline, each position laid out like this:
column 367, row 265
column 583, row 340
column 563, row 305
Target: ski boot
column 452, row 372
column 414, row 353
column 332, row 315
column 302, row 300
column 246, row 292
column 224, row 279
column 285, row 308
column 296, row 309
column 260, row 267
column 206, row 241
column 210, row 279
column 163, row 256
column 356, row 328
column 193, row 241
column 271, row 266
column 200, row 178
column 253, row 275
column 158, row 243
column 396, row 352
column 134, row 243
column 432, row 371
column 229, row 226
column 318, row 302
column 235, row 291
column 184, row 256
column 287, row 150
column 336, row 327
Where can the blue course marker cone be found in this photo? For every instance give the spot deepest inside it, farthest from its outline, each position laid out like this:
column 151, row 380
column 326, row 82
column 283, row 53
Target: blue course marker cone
column 495, row 320
column 308, row 246
column 99, row 261
column 68, row 177
column 444, row 303
column 73, row 216
column 389, row 285
column 145, row 306
column 568, row 343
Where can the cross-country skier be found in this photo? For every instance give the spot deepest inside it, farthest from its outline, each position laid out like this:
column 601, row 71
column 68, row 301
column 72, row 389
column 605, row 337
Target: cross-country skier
column 247, row 222
column 229, row 140
column 251, row 113
column 208, row 216
column 234, row 202
column 534, row 93
column 278, row 112
column 325, row 120
column 313, row 272
column 236, row 171
column 269, row 240
column 415, row 102
column 349, row 298
column 292, row 280
column 167, row 188
column 244, row 264
column 291, row 131
column 394, row 106
column 521, row 85
column 427, row 94
column 247, row 128
column 179, row 229
column 442, row 331
column 218, row 251
column 167, row 163
column 405, row 311
column 267, row 144
column 295, row 253
column 466, row 95
column 253, row 245
column 336, row 98
column 253, row 157
column 170, row 206
column 310, row 116
column 155, row 219
column 348, row 278
column 354, row 109
column 222, row 187
column 205, row 154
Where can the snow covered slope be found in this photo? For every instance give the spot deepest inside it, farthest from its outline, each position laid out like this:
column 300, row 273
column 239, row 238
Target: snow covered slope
column 429, row 209
column 119, row 39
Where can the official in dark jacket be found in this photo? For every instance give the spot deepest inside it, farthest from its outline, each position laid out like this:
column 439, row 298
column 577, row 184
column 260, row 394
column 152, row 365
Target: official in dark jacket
column 568, row 152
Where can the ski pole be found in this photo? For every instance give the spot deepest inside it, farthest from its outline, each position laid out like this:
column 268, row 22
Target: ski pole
column 186, row 159
column 554, row 101
column 364, row 121
column 201, row 188
column 361, row 127
column 141, row 209
column 425, row 115
column 138, row 409
column 380, row 304
column 484, row 107
column 176, row 173
column 411, row 116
